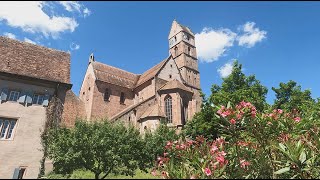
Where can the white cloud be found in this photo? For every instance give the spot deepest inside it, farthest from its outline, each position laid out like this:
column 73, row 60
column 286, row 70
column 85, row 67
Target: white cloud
column 75, row 6
column 211, row 44
column 86, row 12
column 29, row 41
column 251, row 35
column 226, row 69
column 71, row 6
column 30, row 17
column 74, row 46
column 10, row 35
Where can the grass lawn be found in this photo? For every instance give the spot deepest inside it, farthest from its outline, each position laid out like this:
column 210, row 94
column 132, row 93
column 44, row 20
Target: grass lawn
column 82, row 174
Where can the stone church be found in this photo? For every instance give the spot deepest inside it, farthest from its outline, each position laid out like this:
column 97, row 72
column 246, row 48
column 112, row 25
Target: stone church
column 169, row 91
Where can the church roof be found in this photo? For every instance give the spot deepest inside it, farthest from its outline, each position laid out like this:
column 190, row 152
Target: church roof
column 26, row 59
column 114, row 75
column 175, row 84
column 152, row 111
column 152, row 72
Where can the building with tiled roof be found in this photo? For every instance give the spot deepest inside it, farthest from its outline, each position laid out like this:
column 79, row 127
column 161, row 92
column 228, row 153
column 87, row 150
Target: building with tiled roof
column 167, row 92
column 30, row 76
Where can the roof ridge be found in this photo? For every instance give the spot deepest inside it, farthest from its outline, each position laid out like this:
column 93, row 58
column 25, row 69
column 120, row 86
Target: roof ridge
column 28, row 43
column 114, row 67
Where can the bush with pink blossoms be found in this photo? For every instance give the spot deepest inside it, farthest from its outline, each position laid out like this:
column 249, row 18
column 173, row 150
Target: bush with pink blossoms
column 251, row 144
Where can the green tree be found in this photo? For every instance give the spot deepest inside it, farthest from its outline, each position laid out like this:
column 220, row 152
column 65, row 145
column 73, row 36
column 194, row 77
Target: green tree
column 235, row 88
column 100, row 147
column 203, row 123
column 238, row 87
column 289, row 96
column 156, row 141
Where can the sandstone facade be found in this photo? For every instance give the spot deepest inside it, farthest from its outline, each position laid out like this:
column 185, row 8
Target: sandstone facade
column 168, row 91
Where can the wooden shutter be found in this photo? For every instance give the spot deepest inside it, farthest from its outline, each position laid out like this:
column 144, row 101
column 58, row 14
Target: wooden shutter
column 16, row 173
column 45, row 100
column 29, row 98
column 22, row 97
column 4, row 94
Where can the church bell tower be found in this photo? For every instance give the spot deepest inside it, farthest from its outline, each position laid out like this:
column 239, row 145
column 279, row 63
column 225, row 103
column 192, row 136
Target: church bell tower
column 183, row 50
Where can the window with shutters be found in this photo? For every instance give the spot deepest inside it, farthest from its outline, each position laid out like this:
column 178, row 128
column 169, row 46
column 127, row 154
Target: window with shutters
column 37, row 99
column 22, row 171
column 168, row 108
column 7, row 127
column 13, row 96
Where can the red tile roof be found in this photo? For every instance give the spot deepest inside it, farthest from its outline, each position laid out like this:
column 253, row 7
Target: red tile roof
column 26, row 59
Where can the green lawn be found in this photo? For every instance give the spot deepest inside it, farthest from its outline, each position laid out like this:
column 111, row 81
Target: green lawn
column 82, row 174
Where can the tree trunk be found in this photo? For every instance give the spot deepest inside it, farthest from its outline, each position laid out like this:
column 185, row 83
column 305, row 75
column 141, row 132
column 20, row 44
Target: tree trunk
column 96, row 175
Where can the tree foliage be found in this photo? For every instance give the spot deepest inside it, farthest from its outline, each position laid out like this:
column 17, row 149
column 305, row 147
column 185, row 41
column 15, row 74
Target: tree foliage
column 235, row 88
column 238, row 87
column 156, row 140
column 100, row 147
column 289, row 96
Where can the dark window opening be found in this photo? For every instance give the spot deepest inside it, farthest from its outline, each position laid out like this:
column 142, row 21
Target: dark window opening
column 189, row 51
column 122, row 98
column 106, row 95
column 89, row 88
column 176, row 51
column 170, row 76
column 83, row 93
column 175, row 39
column 129, row 118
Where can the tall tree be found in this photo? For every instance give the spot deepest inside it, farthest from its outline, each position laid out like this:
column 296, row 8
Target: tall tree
column 289, row 96
column 238, row 87
column 235, row 88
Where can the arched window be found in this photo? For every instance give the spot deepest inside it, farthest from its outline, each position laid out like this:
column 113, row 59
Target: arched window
column 168, row 106
column 106, row 95
column 189, row 51
column 176, row 51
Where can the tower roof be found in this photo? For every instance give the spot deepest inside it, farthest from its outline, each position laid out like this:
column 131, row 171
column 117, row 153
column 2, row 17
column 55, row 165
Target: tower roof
column 176, row 27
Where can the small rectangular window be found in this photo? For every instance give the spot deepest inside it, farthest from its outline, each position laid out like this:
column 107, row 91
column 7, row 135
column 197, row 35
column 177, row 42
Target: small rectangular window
column 14, row 95
column 122, row 98
column 107, row 95
column 7, row 128
column 37, row 99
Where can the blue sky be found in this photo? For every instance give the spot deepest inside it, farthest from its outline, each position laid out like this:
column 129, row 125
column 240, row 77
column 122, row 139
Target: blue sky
column 276, row 41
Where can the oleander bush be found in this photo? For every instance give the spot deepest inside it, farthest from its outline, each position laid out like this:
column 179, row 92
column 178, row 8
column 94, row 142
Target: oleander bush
column 251, row 144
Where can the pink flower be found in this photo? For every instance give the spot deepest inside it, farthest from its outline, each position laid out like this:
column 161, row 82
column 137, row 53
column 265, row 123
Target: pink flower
column 280, row 111
column 220, row 159
column 232, row 121
column 244, row 163
column 297, row 119
column 159, row 158
column 213, row 149
column 165, row 154
column 154, row 173
column 207, row 171
column 239, row 116
column 269, row 123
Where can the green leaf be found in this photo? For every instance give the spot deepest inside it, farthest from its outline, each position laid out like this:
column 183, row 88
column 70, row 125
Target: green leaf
column 282, row 147
column 302, row 157
column 283, row 170
column 229, row 105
